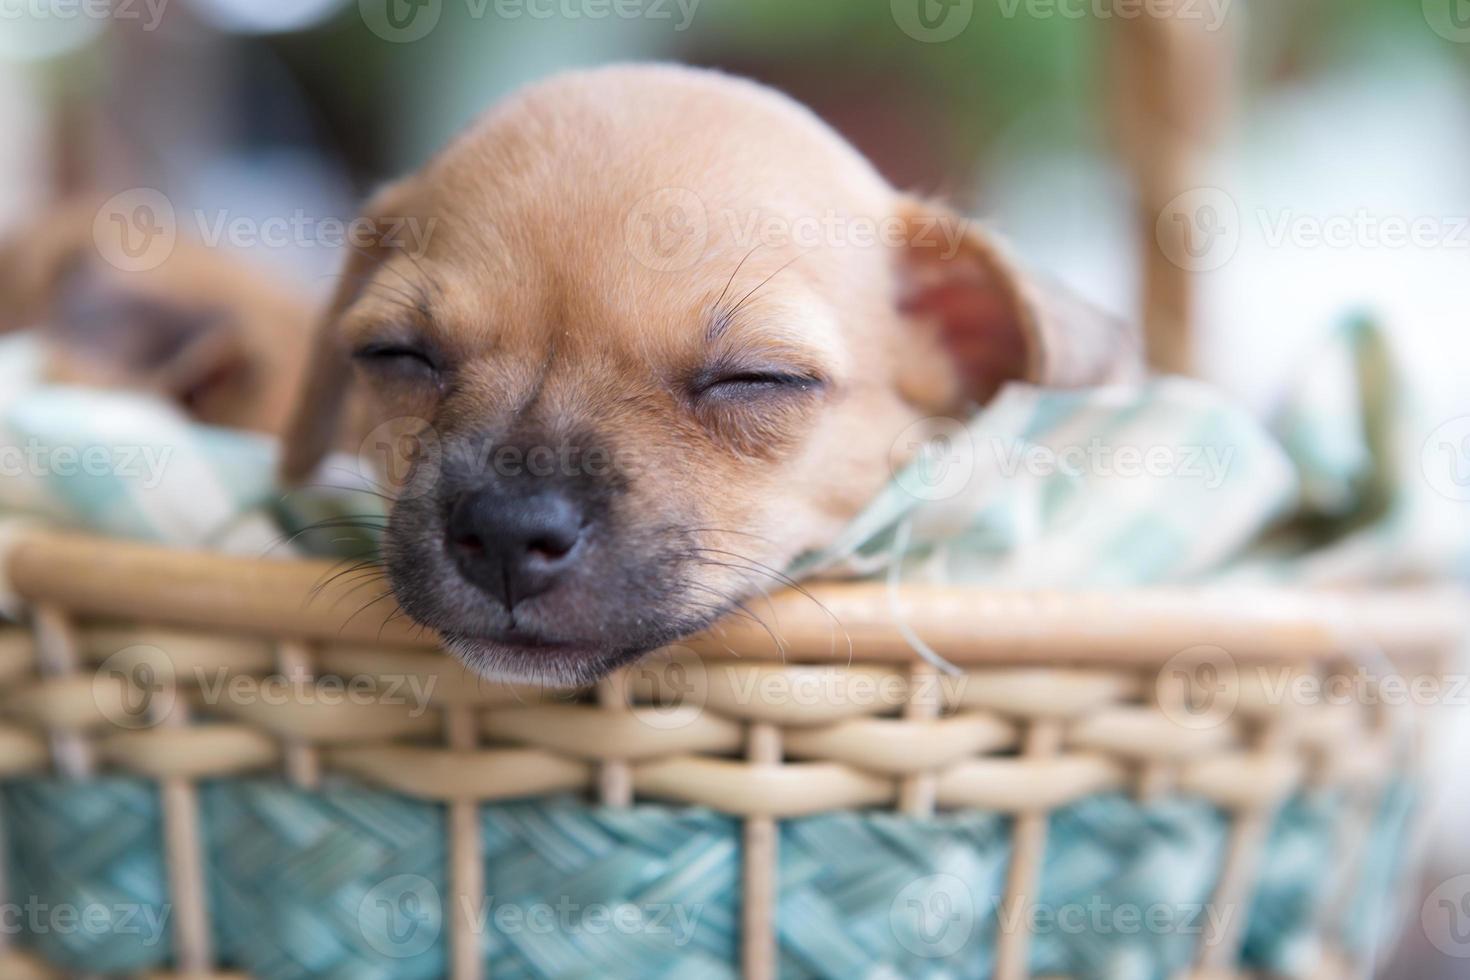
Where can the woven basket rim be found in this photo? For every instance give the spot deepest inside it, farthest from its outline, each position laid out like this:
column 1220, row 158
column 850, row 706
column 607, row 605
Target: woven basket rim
column 104, row 578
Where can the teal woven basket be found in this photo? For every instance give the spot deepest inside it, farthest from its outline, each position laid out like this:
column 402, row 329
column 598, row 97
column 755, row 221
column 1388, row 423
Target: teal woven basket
column 350, row 882
column 245, row 784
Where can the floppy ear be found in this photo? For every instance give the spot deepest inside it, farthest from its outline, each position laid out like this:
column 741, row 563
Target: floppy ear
column 190, row 353
column 33, row 259
column 994, row 322
column 322, row 404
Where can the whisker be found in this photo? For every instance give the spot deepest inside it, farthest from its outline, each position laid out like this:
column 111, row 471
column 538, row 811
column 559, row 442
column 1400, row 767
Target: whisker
column 784, row 266
column 364, row 580
column 395, row 614
column 421, row 303
column 725, row 530
column 791, row 584
column 342, row 489
column 421, row 271
column 358, row 474
column 394, row 291
column 730, row 606
column 357, row 564
column 718, row 314
column 359, row 523
column 373, row 602
column 731, row 601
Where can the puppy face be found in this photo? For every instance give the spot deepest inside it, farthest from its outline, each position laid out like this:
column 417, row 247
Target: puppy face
column 659, row 341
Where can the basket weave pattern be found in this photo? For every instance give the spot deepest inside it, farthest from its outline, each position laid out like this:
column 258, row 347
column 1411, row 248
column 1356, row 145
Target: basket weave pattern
column 199, row 673
column 789, row 750
column 293, row 873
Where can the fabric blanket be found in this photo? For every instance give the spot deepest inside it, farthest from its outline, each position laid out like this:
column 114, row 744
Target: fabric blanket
column 1170, row 482
column 1166, row 482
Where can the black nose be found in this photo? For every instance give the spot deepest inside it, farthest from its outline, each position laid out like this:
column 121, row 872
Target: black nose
column 514, row 546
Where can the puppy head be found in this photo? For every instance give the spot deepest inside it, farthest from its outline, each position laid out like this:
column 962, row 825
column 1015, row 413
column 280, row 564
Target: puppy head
column 655, row 337
column 202, row 329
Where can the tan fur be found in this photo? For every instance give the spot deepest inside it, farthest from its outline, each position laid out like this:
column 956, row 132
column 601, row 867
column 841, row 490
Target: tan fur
column 547, row 311
column 245, row 374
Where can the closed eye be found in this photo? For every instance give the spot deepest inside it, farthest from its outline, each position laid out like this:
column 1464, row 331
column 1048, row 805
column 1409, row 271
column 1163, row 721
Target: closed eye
column 755, row 383
column 403, row 360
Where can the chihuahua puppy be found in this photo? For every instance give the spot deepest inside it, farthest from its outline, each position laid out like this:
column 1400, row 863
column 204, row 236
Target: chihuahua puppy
column 203, row 330
column 706, row 314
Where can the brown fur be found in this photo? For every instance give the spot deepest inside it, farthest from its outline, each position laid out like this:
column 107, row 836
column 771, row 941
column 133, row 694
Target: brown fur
column 552, row 324
column 204, row 329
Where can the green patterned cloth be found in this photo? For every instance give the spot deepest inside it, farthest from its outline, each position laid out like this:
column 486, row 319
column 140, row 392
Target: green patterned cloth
column 1169, row 482
column 130, row 466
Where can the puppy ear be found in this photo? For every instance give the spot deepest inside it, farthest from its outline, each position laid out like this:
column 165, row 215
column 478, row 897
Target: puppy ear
column 209, row 368
column 995, row 323
column 321, row 407
column 35, row 257
column 192, row 354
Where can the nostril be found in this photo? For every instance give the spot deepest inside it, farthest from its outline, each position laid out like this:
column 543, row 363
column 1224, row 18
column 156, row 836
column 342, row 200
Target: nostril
column 469, row 544
column 514, row 546
column 549, row 548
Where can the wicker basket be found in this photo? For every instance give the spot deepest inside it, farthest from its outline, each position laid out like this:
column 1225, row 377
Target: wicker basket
column 1063, row 699
column 828, row 797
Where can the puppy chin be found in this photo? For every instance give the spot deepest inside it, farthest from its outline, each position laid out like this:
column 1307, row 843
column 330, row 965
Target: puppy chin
column 540, row 666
